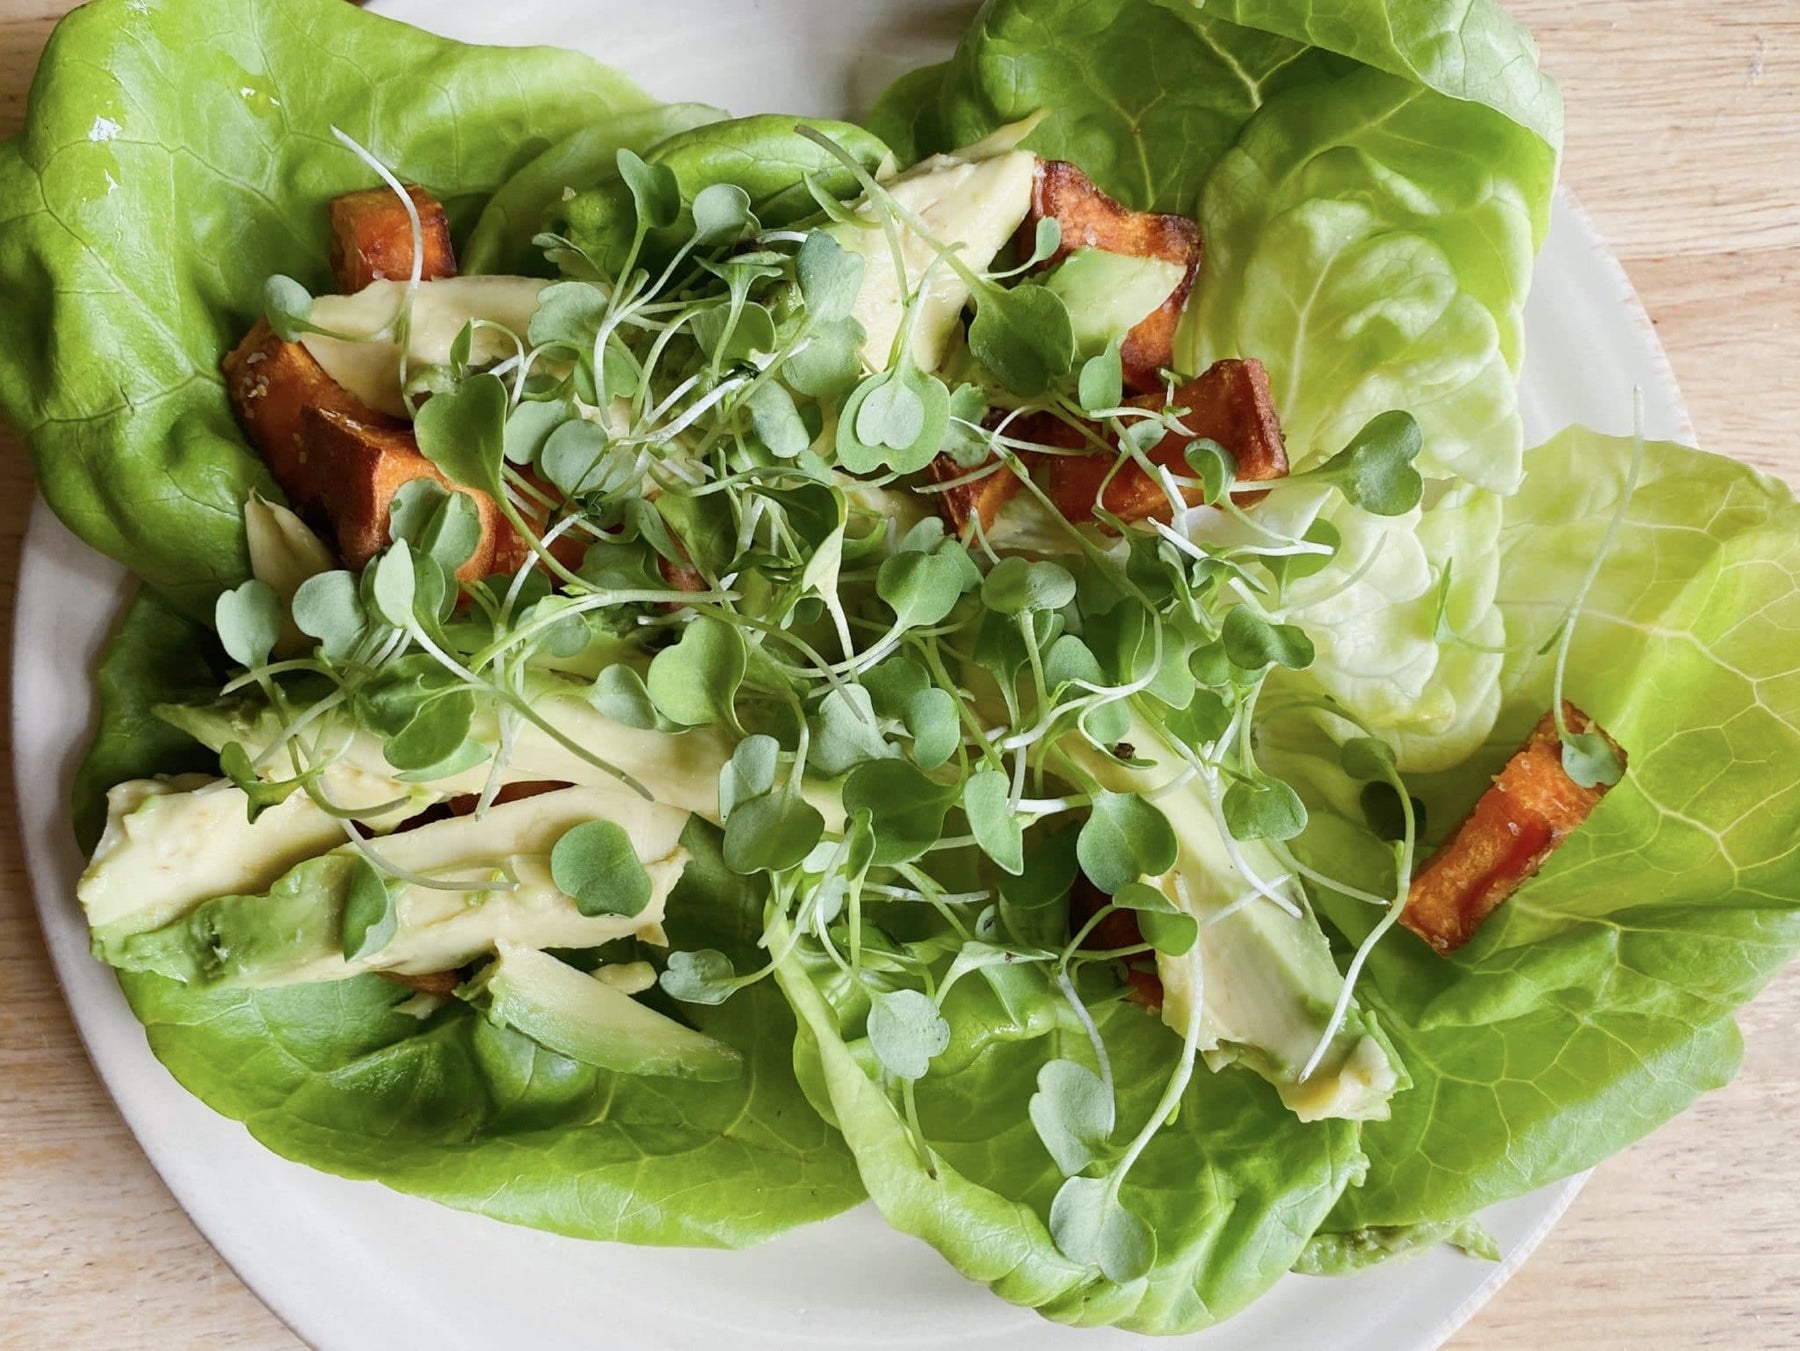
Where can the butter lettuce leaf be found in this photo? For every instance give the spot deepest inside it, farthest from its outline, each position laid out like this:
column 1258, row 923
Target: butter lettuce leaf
column 1233, row 1187
column 173, row 157
column 1596, row 1003
column 1371, row 243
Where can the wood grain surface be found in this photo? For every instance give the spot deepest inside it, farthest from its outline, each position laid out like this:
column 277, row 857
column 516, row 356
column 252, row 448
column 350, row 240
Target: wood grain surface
column 1684, row 142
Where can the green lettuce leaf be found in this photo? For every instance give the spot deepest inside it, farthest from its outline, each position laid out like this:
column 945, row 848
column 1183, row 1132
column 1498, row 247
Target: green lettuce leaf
column 453, row 1108
column 1232, row 1188
column 1473, row 50
column 1596, row 1003
column 1371, row 242
column 527, row 202
column 173, row 157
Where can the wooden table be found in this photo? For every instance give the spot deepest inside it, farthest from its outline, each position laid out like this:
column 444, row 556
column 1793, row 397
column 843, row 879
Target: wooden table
column 1684, row 142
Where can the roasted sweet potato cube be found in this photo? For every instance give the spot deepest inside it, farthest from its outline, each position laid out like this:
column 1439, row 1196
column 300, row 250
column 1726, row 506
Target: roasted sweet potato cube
column 1091, row 219
column 271, row 383
column 1532, row 808
column 371, row 238
column 360, row 467
column 1230, row 404
column 976, row 501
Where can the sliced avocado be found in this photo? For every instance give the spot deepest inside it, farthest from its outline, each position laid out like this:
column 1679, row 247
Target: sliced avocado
column 295, row 931
column 678, row 769
column 1109, row 294
column 587, row 1018
column 171, row 843
column 976, row 199
column 1266, row 977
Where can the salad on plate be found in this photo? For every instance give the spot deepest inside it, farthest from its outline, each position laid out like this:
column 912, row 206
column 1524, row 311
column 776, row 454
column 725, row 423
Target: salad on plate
column 1009, row 659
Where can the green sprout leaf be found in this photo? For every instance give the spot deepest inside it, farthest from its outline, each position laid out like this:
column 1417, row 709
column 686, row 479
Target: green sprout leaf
column 704, row 976
column 370, row 919
column 749, row 773
column 895, row 420
column 776, row 421
column 721, row 214
column 439, row 524
column 1375, row 471
column 595, row 865
column 906, row 1031
column 1123, row 839
column 848, row 732
column 655, row 192
column 1590, row 761
column 906, row 807
column 619, row 693
column 1092, row 1226
column 394, row 586
column 771, row 833
column 249, row 621
column 1165, row 926
column 986, row 800
column 696, row 681
column 826, row 365
column 464, row 433
column 830, row 277
column 1102, row 382
column 1015, row 586
column 921, row 588
column 328, row 606
column 1263, row 809
column 574, row 458
column 930, row 719
column 1253, row 643
column 259, row 794
column 1024, row 336
column 1073, row 1114
column 1214, row 466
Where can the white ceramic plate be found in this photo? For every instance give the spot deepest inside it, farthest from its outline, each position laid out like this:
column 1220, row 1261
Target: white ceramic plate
column 351, row 1265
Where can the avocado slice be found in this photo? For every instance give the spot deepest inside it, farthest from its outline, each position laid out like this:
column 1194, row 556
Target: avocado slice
column 587, row 1018
column 976, row 198
column 1266, row 977
column 171, row 843
column 678, row 769
column 294, row 932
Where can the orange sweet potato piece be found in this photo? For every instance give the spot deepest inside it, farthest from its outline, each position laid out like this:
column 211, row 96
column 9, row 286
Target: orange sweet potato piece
column 371, row 238
column 1230, row 403
column 977, row 501
column 1091, row 219
column 359, row 468
column 1532, row 808
column 271, row 383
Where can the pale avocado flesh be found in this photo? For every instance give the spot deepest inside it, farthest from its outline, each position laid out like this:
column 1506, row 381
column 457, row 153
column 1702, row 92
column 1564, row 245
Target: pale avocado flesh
column 585, row 1018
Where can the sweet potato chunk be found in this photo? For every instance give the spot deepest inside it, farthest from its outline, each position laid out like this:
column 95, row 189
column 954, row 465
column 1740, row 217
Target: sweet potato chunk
column 978, row 500
column 1230, row 404
column 371, row 238
column 1532, row 807
column 1091, row 219
column 272, row 383
column 359, row 467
